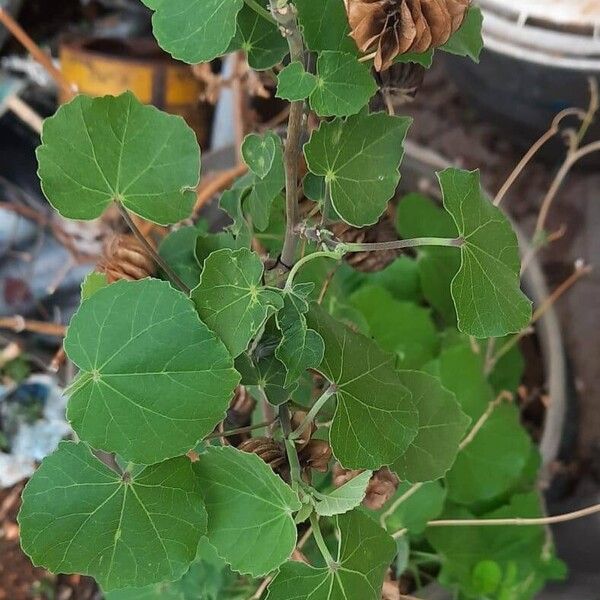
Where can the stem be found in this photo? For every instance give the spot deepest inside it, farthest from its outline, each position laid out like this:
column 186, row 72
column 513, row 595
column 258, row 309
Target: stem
column 38, row 54
column 260, row 10
column 312, row 413
column 326, row 204
column 318, row 535
column 232, row 432
column 400, row 244
column 572, row 516
column 290, row 447
column 493, row 405
column 334, row 254
column 18, row 324
column 152, row 252
column 285, row 15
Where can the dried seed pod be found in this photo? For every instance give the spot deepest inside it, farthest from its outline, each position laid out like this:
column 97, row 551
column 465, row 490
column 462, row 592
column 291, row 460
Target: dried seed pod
column 340, row 476
column 381, row 488
column 401, row 82
column 391, row 589
column 393, row 27
column 296, row 420
column 126, row 258
column 268, row 449
column 368, row 262
column 316, row 455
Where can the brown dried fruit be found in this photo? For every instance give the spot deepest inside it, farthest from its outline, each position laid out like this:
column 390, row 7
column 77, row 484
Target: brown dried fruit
column 268, row 449
column 316, row 455
column 296, row 420
column 393, row 27
column 126, row 258
column 382, row 486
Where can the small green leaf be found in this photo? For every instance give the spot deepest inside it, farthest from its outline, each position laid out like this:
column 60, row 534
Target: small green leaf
column 314, row 187
column 489, row 301
column 375, row 419
column 364, row 554
column 259, row 153
column 344, row 85
column 345, row 498
column 231, row 299
column 359, row 158
column 179, row 250
column 98, row 150
column 153, row 379
column 93, row 282
column 401, row 327
column 467, row 41
column 325, row 25
column 269, row 375
column 79, row 516
column 442, row 426
column 294, row 83
column 194, row 32
column 413, row 513
column 261, row 535
column 260, row 39
column 300, row 348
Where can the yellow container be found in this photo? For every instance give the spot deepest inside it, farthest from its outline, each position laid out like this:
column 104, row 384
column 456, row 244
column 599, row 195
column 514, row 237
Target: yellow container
column 100, row 66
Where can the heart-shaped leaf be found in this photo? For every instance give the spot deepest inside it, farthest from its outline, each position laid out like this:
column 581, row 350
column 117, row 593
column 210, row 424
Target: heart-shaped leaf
column 264, row 522
column 79, row 516
column 231, row 299
column 359, row 158
column 194, row 31
column 269, row 376
column 442, row 426
column 98, row 150
column 375, row 420
column 294, row 83
column 364, row 554
column 489, row 301
column 153, row 379
column 468, row 40
column 259, row 152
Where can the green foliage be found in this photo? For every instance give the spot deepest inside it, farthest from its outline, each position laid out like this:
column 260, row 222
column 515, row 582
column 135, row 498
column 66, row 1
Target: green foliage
column 96, row 151
column 182, row 511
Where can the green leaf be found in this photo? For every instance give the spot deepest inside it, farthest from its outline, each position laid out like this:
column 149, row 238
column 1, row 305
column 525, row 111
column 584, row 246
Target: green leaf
column 294, row 83
column 413, row 513
column 467, row 41
column 260, row 39
column 364, row 554
column 153, row 379
column 179, row 251
column 194, row 32
column 79, row 516
column 345, row 498
column 300, row 348
column 93, row 282
column 425, row 59
column 98, row 150
column 260, row 536
column 344, row 85
column 231, row 299
column 375, row 419
column 259, row 153
column 263, row 191
column 442, row 426
column 269, row 375
column 401, row 327
column 418, row 216
column 489, row 301
column 325, row 25
column 359, row 158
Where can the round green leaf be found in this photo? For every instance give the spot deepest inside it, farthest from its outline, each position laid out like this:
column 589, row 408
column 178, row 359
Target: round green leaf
column 259, row 153
column 359, row 158
column 79, row 516
column 294, row 83
column 153, row 380
column 260, row 534
column 98, row 150
column 194, row 31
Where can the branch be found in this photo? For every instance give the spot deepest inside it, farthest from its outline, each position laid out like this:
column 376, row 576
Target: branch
column 152, row 252
column 18, row 324
column 38, row 54
column 494, row 404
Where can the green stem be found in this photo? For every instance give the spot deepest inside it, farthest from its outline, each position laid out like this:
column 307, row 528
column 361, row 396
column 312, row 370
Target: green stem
column 316, row 407
column 400, row 244
column 290, row 446
column 260, row 10
column 394, row 507
column 152, row 252
column 334, row 254
column 318, row 535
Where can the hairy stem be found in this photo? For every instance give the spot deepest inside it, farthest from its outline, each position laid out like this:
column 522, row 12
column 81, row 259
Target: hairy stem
column 18, row 324
column 285, row 15
column 316, row 407
column 394, row 506
column 151, row 251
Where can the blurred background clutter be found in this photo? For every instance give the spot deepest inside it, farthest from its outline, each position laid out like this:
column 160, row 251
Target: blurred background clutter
column 536, row 86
